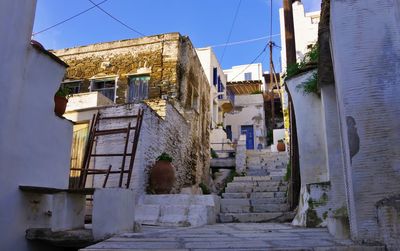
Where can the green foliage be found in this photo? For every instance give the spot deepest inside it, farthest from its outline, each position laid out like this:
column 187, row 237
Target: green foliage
column 310, row 85
column 164, row 157
column 63, row 91
column 270, row 138
column 204, row 188
column 214, row 154
column 311, row 57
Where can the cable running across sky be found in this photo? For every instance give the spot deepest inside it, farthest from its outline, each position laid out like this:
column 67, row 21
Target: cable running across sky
column 70, row 18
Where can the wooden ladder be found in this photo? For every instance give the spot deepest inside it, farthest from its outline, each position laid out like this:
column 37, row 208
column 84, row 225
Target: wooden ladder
column 94, row 133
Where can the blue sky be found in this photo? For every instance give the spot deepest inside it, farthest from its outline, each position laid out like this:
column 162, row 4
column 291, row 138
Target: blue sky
column 206, row 22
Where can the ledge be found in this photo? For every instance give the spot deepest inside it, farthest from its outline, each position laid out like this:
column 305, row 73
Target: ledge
column 78, row 238
column 52, row 190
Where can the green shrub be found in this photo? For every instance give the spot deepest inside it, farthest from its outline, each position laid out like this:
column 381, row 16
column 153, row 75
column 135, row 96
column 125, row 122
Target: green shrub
column 214, row 154
column 164, row 157
column 310, row 85
column 204, row 188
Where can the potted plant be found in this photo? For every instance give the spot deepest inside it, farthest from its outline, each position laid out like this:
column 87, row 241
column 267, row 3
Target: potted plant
column 61, row 100
column 162, row 175
column 281, row 146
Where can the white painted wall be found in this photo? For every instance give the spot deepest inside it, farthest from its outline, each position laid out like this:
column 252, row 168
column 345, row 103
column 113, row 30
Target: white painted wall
column 87, row 100
column 209, row 61
column 34, row 142
column 236, row 73
column 311, row 139
column 305, row 30
column 367, row 75
column 248, row 110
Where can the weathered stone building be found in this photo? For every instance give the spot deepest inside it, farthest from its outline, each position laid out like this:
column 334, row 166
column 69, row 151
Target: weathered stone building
column 158, row 71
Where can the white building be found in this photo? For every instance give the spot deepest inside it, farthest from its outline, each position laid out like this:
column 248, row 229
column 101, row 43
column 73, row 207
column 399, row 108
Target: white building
column 305, row 30
column 247, row 72
column 217, row 80
column 33, row 146
column 248, row 115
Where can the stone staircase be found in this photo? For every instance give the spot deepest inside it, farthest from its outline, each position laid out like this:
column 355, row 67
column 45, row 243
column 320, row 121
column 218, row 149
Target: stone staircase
column 260, row 196
column 178, row 210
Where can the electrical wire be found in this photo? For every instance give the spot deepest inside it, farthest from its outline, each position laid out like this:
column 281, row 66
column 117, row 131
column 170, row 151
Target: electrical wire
column 116, row 19
column 259, row 55
column 66, row 20
column 230, row 32
column 244, row 41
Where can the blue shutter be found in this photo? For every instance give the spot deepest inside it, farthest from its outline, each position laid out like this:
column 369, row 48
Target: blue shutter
column 215, row 76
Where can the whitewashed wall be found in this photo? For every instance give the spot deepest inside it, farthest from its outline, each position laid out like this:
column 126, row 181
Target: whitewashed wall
column 34, row 143
column 365, row 39
column 248, row 110
column 209, row 61
column 305, row 30
column 236, row 73
column 309, row 132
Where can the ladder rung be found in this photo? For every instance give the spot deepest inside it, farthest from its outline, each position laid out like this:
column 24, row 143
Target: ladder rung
column 112, row 131
column 105, row 172
column 121, row 117
column 109, row 154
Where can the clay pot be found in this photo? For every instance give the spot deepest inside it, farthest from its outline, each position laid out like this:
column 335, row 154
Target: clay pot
column 281, row 146
column 60, row 104
column 162, row 177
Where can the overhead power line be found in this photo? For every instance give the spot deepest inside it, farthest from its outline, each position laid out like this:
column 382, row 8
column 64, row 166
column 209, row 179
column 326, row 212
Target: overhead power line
column 254, row 60
column 230, row 31
column 66, row 20
column 116, row 19
column 245, row 41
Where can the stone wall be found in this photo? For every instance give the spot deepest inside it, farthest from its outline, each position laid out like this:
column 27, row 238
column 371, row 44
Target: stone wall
column 157, row 135
column 156, row 56
column 175, row 75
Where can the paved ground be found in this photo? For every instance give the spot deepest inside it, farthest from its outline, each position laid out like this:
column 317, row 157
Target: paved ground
column 231, row 236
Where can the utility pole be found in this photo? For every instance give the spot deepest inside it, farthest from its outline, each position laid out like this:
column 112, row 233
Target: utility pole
column 289, row 32
column 295, row 181
column 271, row 84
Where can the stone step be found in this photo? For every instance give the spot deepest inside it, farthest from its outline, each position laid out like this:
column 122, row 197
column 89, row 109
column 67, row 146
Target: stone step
column 267, row 183
column 247, row 189
column 178, row 215
column 235, row 195
column 263, row 208
column 235, row 205
column 252, row 178
column 260, row 172
column 256, row 217
column 251, row 205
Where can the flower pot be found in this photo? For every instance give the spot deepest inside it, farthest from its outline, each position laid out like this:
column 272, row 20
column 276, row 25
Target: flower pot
column 162, row 177
column 281, row 147
column 60, row 104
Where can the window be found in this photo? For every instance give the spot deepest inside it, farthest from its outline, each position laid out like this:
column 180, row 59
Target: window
column 247, row 76
column 138, row 88
column 215, row 76
column 228, row 130
column 105, row 87
column 220, row 88
column 73, row 86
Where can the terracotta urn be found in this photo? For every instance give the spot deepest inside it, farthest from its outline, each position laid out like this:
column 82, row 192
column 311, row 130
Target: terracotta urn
column 162, row 177
column 60, row 104
column 281, row 147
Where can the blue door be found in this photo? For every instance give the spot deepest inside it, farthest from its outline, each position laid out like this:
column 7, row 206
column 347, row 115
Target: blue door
column 249, row 131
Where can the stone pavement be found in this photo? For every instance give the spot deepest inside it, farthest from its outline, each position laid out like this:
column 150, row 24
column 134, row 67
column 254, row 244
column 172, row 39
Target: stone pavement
column 230, row 236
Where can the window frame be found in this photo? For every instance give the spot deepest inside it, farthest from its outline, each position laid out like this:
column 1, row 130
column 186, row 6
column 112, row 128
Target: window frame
column 130, row 77
column 93, row 81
